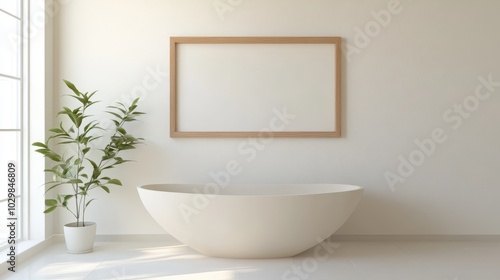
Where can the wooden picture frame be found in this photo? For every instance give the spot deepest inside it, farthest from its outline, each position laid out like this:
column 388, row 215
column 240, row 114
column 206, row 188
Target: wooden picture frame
column 248, row 86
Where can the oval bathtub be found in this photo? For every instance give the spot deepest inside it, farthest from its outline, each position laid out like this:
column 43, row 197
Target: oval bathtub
column 250, row 221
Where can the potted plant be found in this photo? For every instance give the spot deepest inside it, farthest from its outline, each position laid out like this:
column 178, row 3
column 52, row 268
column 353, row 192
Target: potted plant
column 82, row 151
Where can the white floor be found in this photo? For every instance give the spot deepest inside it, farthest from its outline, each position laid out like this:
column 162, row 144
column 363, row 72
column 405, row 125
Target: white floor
column 342, row 260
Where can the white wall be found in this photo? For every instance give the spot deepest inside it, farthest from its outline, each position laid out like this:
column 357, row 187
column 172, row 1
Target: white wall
column 397, row 84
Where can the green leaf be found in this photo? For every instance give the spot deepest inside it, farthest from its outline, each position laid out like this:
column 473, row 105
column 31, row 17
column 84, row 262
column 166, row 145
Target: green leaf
column 56, row 130
column 72, row 87
column 105, row 188
column 94, row 138
column 49, row 209
column 87, row 204
column 93, row 163
column 91, row 126
column 90, row 96
column 75, row 181
column 53, row 156
column 74, row 115
column 53, row 186
column 115, row 182
column 118, row 108
column 67, row 142
column 129, row 119
column 38, row 144
column 50, row 202
column 114, row 114
column 109, row 167
column 121, row 130
column 135, row 101
column 81, row 99
column 86, row 150
column 97, row 171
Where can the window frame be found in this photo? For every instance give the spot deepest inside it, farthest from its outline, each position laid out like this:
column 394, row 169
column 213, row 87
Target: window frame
column 37, row 86
column 22, row 126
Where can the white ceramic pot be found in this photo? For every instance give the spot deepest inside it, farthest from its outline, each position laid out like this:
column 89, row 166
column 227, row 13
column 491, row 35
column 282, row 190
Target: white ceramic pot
column 79, row 239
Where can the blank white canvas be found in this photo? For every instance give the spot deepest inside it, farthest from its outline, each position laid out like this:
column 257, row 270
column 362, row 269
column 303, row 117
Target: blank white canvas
column 239, row 87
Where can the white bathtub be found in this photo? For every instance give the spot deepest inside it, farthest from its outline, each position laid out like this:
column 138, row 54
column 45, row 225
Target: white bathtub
column 250, row 221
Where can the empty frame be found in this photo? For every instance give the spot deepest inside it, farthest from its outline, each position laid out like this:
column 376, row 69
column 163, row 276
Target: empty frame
column 255, row 86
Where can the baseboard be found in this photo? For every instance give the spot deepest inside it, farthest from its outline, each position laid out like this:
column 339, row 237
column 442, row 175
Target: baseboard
column 57, row 238
column 337, row 238
column 123, row 237
column 415, row 238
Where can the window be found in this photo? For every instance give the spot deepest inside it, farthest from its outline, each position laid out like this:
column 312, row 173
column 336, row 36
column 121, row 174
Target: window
column 12, row 114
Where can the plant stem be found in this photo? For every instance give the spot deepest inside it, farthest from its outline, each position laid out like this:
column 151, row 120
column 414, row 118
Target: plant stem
column 83, row 212
column 77, row 216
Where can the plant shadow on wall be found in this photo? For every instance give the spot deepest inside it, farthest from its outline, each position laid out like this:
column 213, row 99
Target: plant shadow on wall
column 82, row 151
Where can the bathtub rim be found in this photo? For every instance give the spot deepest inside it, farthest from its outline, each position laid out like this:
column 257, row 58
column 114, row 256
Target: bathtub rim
column 343, row 188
